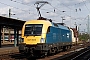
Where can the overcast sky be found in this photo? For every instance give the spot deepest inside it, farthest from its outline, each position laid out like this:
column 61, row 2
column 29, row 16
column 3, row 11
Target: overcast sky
column 75, row 11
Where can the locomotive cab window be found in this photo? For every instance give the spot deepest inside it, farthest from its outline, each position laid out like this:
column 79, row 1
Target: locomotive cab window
column 48, row 30
column 33, row 29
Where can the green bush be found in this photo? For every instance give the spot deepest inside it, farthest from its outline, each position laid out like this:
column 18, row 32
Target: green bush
column 84, row 37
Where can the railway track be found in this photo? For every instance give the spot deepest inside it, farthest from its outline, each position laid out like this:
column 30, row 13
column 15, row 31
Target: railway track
column 15, row 56
column 63, row 55
column 85, row 55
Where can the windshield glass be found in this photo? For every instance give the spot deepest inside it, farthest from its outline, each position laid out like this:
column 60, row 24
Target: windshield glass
column 33, row 29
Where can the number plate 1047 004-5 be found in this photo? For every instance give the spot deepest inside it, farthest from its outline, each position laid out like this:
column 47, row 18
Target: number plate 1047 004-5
column 31, row 39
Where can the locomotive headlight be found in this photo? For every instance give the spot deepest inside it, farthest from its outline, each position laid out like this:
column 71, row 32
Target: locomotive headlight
column 42, row 40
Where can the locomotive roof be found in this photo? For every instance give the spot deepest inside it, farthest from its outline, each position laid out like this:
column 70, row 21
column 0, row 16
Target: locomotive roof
column 59, row 26
column 49, row 22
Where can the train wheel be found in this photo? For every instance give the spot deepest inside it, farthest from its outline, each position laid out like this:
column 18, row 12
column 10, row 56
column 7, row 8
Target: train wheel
column 64, row 48
column 70, row 46
column 44, row 54
column 56, row 50
column 49, row 53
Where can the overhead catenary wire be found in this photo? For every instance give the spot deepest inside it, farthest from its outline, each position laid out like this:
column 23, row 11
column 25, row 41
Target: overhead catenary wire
column 61, row 11
column 16, row 8
column 58, row 10
column 72, row 5
column 76, row 4
column 25, row 4
column 66, row 6
column 33, row 13
column 43, row 9
column 21, row 3
column 86, row 6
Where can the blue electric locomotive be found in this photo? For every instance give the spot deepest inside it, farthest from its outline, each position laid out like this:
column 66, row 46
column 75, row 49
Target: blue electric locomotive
column 44, row 36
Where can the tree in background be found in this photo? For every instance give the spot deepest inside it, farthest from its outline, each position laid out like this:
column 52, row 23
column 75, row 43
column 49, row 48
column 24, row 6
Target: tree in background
column 84, row 36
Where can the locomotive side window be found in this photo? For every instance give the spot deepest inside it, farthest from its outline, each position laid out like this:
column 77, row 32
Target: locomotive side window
column 48, row 30
column 33, row 29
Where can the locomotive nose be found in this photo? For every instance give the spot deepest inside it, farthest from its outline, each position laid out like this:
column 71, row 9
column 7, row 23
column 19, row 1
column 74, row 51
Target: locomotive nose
column 32, row 40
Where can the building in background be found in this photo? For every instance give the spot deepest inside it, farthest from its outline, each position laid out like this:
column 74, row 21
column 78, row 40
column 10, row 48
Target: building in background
column 6, row 33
